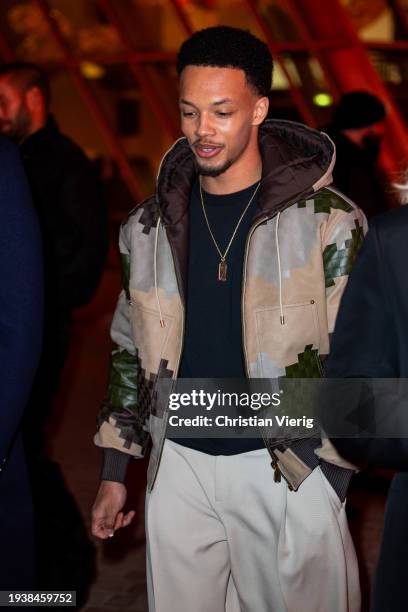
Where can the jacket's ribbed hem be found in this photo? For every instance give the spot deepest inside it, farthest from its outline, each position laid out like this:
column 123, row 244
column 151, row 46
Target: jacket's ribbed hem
column 114, row 465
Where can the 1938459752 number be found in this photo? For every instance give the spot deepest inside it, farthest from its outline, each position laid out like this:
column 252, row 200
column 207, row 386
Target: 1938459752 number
column 33, row 598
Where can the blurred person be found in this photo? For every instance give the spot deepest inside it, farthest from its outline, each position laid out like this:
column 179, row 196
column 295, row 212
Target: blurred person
column 254, row 537
column 370, row 341
column 68, row 198
column 357, row 130
column 21, row 313
column 67, row 195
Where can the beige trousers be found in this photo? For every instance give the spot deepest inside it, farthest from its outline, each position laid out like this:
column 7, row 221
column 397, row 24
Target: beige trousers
column 222, row 536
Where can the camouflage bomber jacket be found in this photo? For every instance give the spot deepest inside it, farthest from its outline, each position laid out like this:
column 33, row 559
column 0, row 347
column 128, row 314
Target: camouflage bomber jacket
column 319, row 232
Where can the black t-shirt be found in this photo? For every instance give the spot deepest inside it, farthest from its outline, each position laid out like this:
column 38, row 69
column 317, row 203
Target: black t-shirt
column 213, row 331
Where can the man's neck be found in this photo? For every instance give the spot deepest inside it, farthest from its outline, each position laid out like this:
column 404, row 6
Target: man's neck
column 236, row 178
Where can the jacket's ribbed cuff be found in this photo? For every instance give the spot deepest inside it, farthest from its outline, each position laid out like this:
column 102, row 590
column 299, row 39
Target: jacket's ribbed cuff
column 114, row 465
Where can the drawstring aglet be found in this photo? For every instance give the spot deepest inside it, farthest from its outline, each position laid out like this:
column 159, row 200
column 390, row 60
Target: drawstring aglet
column 162, row 324
column 282, row 320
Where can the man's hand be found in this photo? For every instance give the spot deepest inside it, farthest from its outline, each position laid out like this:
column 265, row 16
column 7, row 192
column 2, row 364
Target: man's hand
column 106, row 511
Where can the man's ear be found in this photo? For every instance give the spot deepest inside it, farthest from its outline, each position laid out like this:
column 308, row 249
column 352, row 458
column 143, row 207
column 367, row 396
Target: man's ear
column 260, row 110
column 34, row 99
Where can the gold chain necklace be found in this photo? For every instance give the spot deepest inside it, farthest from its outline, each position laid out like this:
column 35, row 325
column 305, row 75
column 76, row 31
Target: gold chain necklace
column 222, row 266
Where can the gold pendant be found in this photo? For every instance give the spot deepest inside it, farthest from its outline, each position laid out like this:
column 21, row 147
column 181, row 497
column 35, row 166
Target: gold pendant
column 222, row 270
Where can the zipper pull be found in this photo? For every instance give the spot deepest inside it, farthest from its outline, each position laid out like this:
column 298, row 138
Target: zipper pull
column 277, row 474
column 276, row 470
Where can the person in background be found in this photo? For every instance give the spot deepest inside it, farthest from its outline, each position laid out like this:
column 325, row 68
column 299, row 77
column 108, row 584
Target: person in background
column 357, row 129
column 69, row 202
column 21, row 314
column 370, row 341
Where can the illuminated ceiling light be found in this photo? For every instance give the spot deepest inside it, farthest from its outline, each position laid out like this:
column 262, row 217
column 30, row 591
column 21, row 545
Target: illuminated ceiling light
column 91, row 70
column 323, row 99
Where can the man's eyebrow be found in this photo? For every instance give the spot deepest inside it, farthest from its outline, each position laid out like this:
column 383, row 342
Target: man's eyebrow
column 216, row 103
column 223, row 101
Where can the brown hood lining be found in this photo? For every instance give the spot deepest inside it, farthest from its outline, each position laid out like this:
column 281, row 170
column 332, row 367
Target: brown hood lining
column 294, row 159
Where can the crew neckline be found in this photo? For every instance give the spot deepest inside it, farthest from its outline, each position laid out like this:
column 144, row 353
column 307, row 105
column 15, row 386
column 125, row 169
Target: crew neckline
column 211, row 198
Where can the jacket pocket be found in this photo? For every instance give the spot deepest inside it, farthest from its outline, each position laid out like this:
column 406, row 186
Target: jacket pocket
column 293, row 344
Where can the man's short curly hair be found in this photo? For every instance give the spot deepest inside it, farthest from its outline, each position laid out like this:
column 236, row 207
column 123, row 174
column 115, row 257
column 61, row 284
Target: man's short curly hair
column 226, row 47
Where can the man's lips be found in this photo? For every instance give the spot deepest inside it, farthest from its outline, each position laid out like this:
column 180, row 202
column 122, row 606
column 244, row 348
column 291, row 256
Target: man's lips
column 207, row 150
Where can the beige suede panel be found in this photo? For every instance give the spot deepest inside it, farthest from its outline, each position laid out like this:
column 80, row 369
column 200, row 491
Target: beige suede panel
column 153, row 341
column 333, row 300
column 304, row 310
column 108, row 436
column 330, row 454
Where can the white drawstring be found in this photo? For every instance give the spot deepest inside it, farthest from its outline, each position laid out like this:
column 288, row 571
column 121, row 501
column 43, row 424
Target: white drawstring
column 156, row 242
column 282, row 318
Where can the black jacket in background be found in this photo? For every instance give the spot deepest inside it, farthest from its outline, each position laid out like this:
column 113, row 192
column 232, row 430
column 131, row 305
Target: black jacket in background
column 358, row 176
column 371, row 335
column 67, row 195
column 21, row 295
column 21, row 311
column 371, row 340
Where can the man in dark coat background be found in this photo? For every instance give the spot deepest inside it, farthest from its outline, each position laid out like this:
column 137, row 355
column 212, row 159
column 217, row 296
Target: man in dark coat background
column 68, row 199
column 371, row 341
column 21, row 312
column 67, row 195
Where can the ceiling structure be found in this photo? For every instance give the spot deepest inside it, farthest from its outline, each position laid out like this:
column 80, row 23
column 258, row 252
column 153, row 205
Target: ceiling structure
column 112, row 65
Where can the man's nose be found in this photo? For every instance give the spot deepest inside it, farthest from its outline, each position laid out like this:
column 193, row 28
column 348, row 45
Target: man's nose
column 204, row 126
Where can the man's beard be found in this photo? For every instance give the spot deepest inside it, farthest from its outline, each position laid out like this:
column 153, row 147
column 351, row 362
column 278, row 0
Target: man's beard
column 205, row 171
column 19, row 126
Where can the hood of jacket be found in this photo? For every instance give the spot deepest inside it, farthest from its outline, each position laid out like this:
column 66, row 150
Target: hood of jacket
column 296, row 162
